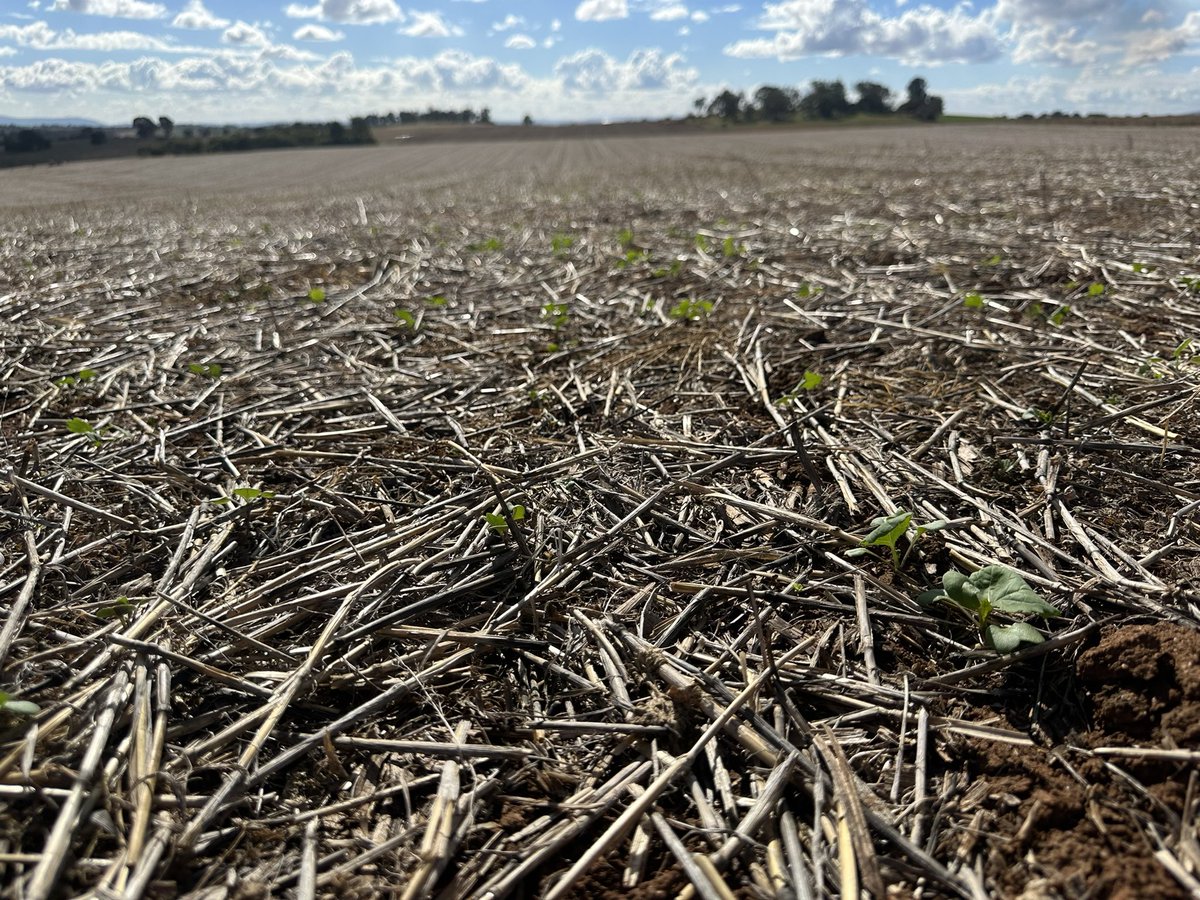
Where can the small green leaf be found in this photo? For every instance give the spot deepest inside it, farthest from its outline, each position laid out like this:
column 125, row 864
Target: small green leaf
column 887, row 530
column 1007, row 638
column 497, row 522
column 995, row 587
column 86, row 375
column 404, row 317
column 252, row 493
column 80, row 426
column 1060, row 315
column 973, row 301
column 436, row 301
column 625, row 238
column 317, row 295
column 518, row 513
column 811, row 381
column 20, row 707
column 807, row 290
column 1095, row 289
column 930, row 597
column 993, row 260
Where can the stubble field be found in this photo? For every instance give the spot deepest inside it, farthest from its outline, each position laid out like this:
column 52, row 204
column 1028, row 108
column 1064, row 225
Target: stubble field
column 488, row 520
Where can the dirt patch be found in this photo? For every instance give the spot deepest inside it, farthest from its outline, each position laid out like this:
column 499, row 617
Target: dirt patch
column 1059, row 823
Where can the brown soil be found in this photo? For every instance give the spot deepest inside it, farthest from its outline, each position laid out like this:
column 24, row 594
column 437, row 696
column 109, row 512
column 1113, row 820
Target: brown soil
column 1059, row 824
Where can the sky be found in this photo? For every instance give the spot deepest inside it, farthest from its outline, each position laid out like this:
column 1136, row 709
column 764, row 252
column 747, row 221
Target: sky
column 213, row 61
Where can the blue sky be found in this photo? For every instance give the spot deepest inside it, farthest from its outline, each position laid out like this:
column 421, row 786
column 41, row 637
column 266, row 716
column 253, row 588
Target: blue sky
column 260, row 60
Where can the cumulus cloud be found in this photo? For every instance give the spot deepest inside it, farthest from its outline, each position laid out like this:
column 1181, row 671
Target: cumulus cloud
column 349, row 12
column 457, row 69
column 116, row 9
column 510, row 22
column 1157, row 44
column 194, row 15
column 925, row 34
column 317, row 33
column 669, row 13
column 430, row 25
column 520, row 42
column 593, row 71
column 1053, row 46
column 601, row 10
column 242, row 34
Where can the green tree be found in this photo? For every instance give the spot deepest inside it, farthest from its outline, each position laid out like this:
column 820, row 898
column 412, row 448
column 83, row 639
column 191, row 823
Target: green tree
column 920, row 103
column 360, row 131
column 145, row 127
column 337, row 133
column 166, row 125
column 485, row 116
column 527, row 121
column 727, row 105
column 826, row 100
column 873, row 98
column 775, row 104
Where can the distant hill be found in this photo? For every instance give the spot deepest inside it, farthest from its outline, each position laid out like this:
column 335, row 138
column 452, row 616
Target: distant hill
column 32, row 123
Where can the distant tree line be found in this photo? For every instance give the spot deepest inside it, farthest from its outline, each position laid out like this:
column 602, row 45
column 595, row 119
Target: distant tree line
column 823, row 100
column 298, row 134
column 405, row 117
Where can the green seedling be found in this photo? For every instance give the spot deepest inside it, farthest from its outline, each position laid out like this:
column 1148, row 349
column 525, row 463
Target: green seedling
column 84, row 427
column 436, row 301
column 993, row 589
column 83, row 377
column 973, row 301
column 810, row 382
column 886, row 531
column 730, row 247
column 560, row 244
column 1183, row 353
column 556, row 314
column 121, row 608
column 1142, row 268
column 702, row 243
column 404, row 318
column 1060, row 315
column 1095, row 289
column 317, row 295
column 491, row 245
column 23, row 708
column 552, row 347
column 1190, row 283
column 671, row 271
column 244, row 493
column 625, row 238
column 691, row 310
column 211, row 370
column 632, row 257
column 499, row 524
column 808, row 290
column 994, row 260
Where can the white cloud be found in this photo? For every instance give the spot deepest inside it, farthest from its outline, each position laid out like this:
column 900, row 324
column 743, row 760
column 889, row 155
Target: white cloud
column 556, row 25
column 242, row 34
column 1158, row 44
column 669, row 13
column 116, row 9
column 1050, row 11
column 510, row 22
column 700, row 16
column 317, row 33
column 430, row 25
column 1055, row 46
column 194, row 15
column 925, row 34
column 593, row 71
column 457, row 69
column 349, row 12
column 601, row 10
column 520, row 42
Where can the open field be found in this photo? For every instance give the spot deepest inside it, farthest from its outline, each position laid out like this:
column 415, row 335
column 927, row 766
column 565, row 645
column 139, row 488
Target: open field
column 485, row 520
